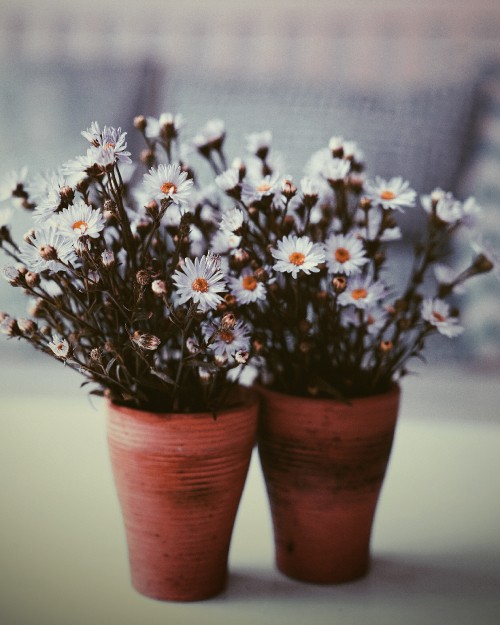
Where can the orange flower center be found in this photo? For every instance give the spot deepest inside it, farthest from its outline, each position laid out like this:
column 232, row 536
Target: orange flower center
column 297, row 258
column 438, row 316
column 227, row 336
column 80, row 226
column 359, row 293
column 168, row 188
column 387, row 194
column 264, row 187
column 342, row 255
column 200, row 285
column 249, row 283
column 109, row 145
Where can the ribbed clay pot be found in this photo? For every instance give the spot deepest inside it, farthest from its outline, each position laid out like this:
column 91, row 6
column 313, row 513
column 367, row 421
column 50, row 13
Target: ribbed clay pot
column 324, row 463
column 179, row 479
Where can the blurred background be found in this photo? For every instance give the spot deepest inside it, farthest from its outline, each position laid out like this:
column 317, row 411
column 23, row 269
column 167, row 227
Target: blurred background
column 415, row 84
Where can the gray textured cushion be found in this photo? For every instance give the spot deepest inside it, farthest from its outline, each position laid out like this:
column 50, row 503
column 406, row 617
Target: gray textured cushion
column 420, row 134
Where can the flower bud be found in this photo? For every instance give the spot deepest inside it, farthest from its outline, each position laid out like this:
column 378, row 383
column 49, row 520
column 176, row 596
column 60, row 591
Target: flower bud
column 146, row 341
column 228, row 321
column 159, row 287
column 32, row 279
column 140, row 122
column 143, row 277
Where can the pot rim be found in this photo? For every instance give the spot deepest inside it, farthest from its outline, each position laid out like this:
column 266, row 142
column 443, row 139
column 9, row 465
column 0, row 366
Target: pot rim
column 395, row 389
column 249, row 399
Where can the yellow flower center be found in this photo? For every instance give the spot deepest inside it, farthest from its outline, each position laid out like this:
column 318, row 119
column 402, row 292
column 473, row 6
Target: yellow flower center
column 264, row 187
column 387, row 194
column 297, row 258
column 168, row 188
column 342, row 255
column 249, row 283
column 359, row 293
column 80, row 226
column 227, row 336
column 200, row 285
column 438, row 316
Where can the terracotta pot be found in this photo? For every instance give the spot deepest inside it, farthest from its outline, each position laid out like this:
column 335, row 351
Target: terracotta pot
column 324, row 463
column 179, row 479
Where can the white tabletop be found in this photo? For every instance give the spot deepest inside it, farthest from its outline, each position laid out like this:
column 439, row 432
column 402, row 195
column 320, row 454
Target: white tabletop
column 436, row 540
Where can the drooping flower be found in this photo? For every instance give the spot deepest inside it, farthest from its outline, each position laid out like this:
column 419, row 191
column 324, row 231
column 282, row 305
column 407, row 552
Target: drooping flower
column 48, row 249
column 11, row 182
column 394, row 193
column 211, row 136
column 225, row 341
column 437, row 313
column 295, row 254
column 59, row 346
column 246, row 288
column 362, row 292
column 167, row 181
column 201, row 282
column 345, row 254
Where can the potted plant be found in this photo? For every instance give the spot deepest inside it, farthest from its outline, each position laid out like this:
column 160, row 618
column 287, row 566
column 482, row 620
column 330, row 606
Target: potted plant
column 339, row 302
column 124, row 289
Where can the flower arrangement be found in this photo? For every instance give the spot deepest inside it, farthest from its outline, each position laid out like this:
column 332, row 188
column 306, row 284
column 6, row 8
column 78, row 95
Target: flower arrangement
column 160, row 287
column 117, row 289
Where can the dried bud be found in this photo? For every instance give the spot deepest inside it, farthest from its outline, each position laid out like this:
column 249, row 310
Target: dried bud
column 48, row 252
column 230, row 300
column 261, row 275
column 339, row 284
column 27, row 326
column 147, row 157
column 96, row 354
column 241, row 356
column 143, row 277
column 28, row 236
column 32, row 279
column 257, row 345
column 67, row 195
column 146, row 341
column 107, row 259
column 365, row 203
column 238, row 259
column 12, row 275
column 9, row 327
column 192, row 346
column 152, row 209
column 159, row 287
column 288, row 224
column 482, row 264
column 288, row 189
column 228, row 321
column 385, row 346
column 140, row 123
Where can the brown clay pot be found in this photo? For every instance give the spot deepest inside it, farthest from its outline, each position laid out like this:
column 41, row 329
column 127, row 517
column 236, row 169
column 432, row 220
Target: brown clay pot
column 179, row 479
column 324, row 462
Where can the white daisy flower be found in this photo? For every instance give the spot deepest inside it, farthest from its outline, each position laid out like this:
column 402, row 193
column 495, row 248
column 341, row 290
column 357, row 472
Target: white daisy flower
column 394, row 193
column 11, row 182
column 309, row 187
column 296, row 254
column 446, row 208
column 48, row 249
column 59, row 346
column 255, row 188
column 226, row 342
column 80, row 220
column 345, row 254
column 362, row 292
column 371, row 230
column 109, row 144
column 168, row 181
column 56, row 192
column 336, row 143
column 79, row 168
column 229, row 180
column 352, row 151
column 246, row 288
column 232, row 220
column 373, row 319
column 437, row 313
column 335, row 169
column 167, row 125
column 447, row 275
column 211, row 135
column 259, row 143
column 224, row 241
column 201, row 282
